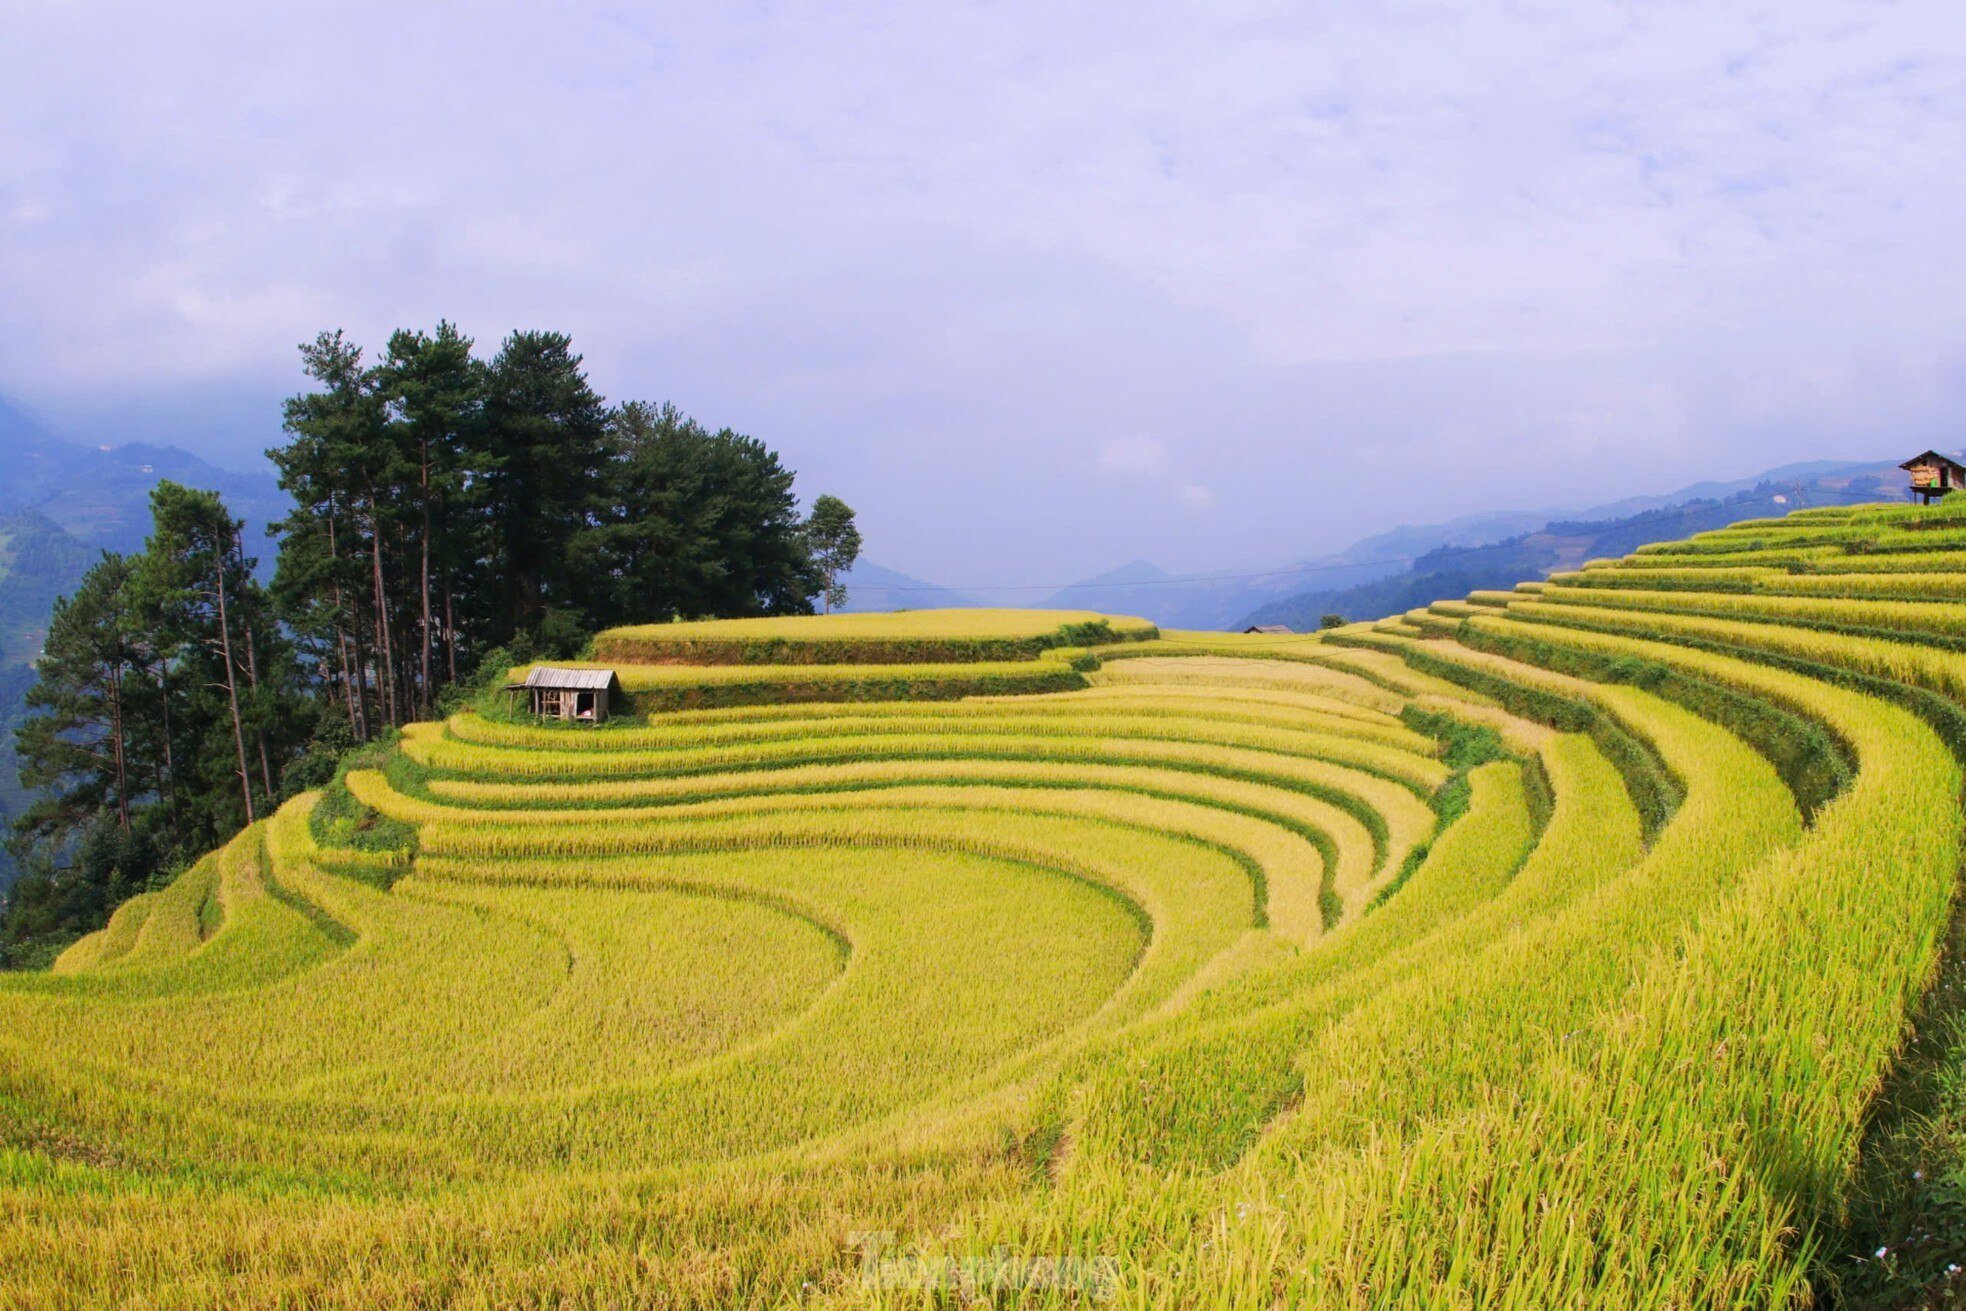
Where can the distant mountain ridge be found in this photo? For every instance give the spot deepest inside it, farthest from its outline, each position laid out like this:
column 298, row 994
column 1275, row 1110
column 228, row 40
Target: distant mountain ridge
column 1452, row 572
column 100, row 495
column 39, row 563
column 1299, row 592
column 61, row 505
column 872, row 587
column 1222, row 600
column 1234, row 599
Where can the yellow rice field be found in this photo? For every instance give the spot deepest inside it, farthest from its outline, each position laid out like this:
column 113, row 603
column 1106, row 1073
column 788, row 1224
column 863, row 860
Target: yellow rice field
column 1547, row 949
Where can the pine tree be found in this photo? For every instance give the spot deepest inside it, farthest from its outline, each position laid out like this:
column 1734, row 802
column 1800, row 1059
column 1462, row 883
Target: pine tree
column 833, row 540
column 165, row 707
column 321, row 582
column 692, row 523
column 75, row 747
column 435, row 392
column 192, row 568
column 443, row 506
column 233, row 669
column 539, row 483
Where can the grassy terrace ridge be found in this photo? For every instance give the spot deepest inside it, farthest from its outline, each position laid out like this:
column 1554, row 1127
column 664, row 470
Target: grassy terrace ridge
column 905, row 637
column 1583, row 945
column 663, row 687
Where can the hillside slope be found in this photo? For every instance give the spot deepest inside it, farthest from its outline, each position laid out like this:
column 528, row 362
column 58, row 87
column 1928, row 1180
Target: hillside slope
column 873, row 587
column 61, row 504
column 1451, row 571
column 38, row 564
column 1556, row 947
column 1417, row 563
column 100, row 495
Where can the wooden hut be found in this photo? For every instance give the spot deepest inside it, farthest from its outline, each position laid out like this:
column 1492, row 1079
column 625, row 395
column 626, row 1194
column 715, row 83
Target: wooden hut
column 578, row 696
column 1933, row 475
column 1272, row 630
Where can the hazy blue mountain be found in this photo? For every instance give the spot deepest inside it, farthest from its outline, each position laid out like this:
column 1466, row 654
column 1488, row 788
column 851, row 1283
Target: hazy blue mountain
column 870, row 586
column 1297, row 589
column 1809, row 473
column 1143, row 589
column 100, row 494
column 38, row 563
column 1221, row 600
column 1454, row 571
column 61, row 505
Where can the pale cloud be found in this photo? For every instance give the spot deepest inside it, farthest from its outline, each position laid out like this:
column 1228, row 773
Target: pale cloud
column 1143, row 456
column 1147, row 460
column 932, row 252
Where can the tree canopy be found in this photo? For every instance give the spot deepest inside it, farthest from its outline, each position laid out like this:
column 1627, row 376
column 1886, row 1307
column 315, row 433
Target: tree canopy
column 165, row 706
column 445, row 507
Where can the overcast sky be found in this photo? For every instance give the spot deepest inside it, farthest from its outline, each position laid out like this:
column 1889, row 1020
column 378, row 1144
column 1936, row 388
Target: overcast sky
column 1037, row 288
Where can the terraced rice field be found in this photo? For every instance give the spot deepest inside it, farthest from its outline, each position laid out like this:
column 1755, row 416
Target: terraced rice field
column 1547, row 949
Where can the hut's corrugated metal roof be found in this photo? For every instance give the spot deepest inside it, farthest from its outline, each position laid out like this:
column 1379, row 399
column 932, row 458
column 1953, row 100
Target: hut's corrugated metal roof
column 579, row 680
column 1932, row 455
column 1267, row 628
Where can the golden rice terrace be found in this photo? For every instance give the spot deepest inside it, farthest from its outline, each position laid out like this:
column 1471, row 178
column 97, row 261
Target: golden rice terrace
column 1547, row 949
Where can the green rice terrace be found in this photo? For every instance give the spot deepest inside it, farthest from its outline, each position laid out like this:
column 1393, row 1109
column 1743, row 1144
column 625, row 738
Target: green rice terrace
column 1577, row 946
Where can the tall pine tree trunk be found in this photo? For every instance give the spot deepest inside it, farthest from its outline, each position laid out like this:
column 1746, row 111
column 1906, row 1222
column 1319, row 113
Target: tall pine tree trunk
column 252, row 679
column 423, row 702
column 169, row 787
column 355, row 727
column 382, row 612
column 404, row 630
column 450, row 634
column 116, row 733
column 358, row 719
column 232, row 693
column 362, row 664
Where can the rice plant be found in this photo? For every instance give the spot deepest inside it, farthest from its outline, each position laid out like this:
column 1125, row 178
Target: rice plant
column 1543, row 949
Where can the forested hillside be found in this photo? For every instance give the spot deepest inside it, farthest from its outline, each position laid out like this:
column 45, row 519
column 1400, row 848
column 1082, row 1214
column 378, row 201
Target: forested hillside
column 61, row 505
column 38, row 564
column 443, row 509
column 98, row 491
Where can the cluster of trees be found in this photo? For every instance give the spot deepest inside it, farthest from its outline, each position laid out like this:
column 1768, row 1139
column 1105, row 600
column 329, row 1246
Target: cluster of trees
column 446, row 506
column 447, row 510
column 165, row 709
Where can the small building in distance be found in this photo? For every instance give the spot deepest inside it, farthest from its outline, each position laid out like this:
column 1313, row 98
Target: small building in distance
column 578, row 696
column 1273, row 630
column 1933, row 475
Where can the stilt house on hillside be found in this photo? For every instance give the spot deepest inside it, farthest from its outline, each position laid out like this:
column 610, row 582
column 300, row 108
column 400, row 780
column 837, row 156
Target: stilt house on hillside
column 578, row 696
column 1933, row 475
